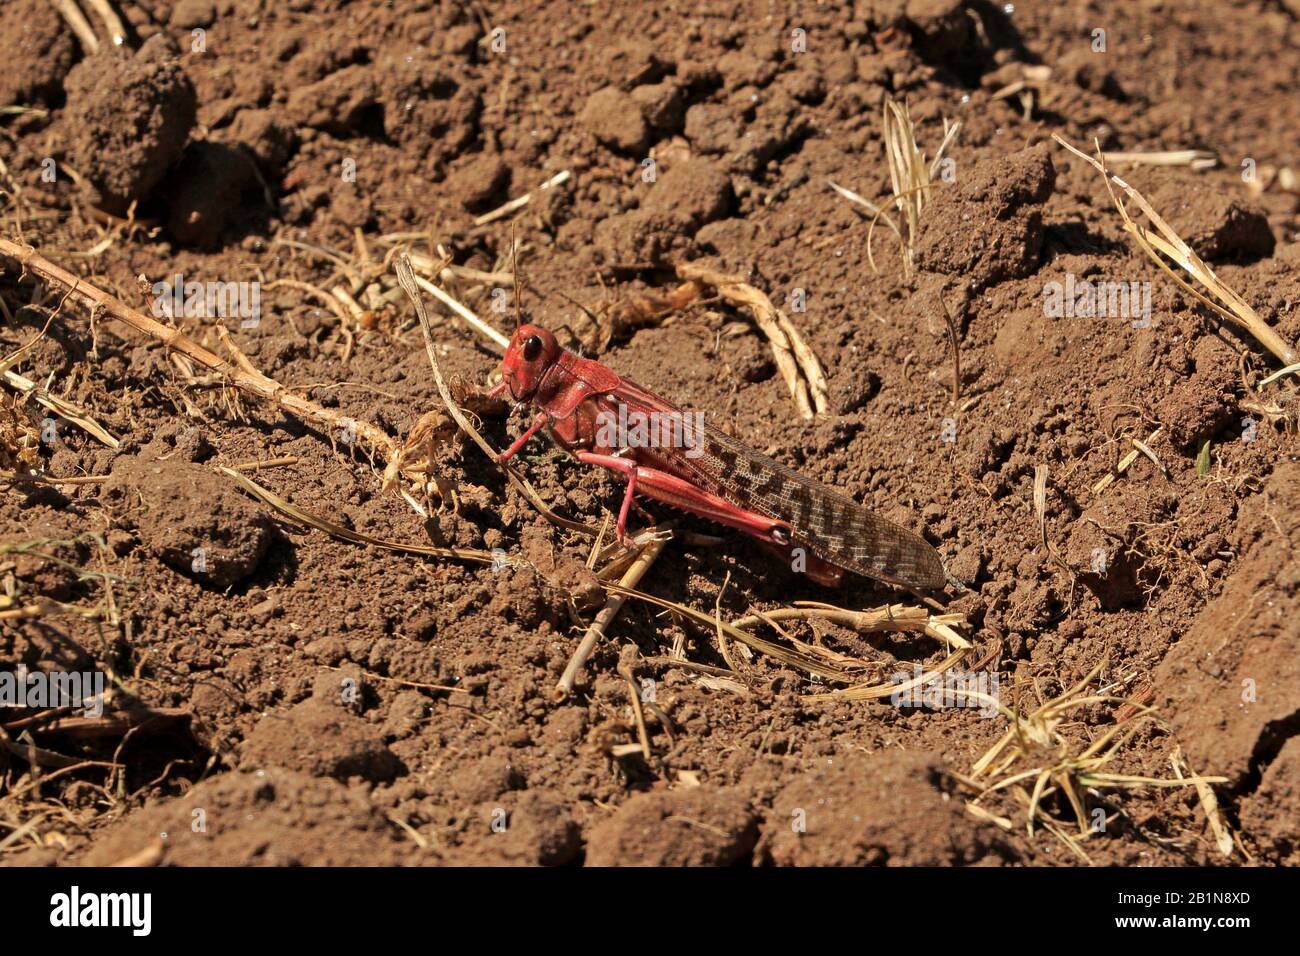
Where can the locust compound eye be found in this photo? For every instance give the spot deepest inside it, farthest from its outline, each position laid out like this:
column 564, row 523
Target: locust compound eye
column 780, row 534
column 532, row 348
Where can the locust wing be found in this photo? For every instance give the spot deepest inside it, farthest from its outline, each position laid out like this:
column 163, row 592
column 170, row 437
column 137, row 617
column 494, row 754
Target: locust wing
column 828, row 524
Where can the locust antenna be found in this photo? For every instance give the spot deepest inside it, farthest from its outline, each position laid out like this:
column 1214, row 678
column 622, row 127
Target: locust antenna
column 519, row 278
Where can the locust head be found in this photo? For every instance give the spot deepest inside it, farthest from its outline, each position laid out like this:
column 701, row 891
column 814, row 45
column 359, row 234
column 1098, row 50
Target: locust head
column 529, row 356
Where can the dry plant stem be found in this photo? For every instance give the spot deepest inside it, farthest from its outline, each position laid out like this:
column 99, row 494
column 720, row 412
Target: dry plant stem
column 439, row 268
column 638, row 712
column 956, row 351
column 795, row 359
column 254, row 383
column 889, row 618
column 1289, row 370
column 110, row 726
column 1231, row 307
column 909, row 179
column 70, row 12
column 22, row 831
column 1209, row 803
column 320, row 295
column 46, row 479
column 63, row 408
column 1035, row 738
column 297, row 514
column 688, row 665
column 1145, row 449
column 1040, row 509
column 909, row 176
column 268, row 463
column 792, row 657
column 722, row 637
column 1105, row 481
column 474, row 321
column 1195, row 158
column 903, row 158
column 519, row 203
column 116, row 29
column 644, row 559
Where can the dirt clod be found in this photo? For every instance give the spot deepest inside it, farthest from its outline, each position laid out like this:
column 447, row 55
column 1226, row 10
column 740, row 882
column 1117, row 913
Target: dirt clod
column 891, row 809
column 480, row 181
column 614, row 118
column 259, row 818
column 266, row 136
column 38, row 51
column 1197, row 407
column 1230, row 687
column 988, row 225
column 189, row 14
column 189, row 518
column 1272, row 812
column 695, row 827
column 343, row 745
column 696, row 192
column 1219, row 226
column 133, row 115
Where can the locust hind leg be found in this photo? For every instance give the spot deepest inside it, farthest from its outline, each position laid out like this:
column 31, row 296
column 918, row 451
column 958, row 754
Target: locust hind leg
column 662, row 486
column 628, row 469
column 680, row 493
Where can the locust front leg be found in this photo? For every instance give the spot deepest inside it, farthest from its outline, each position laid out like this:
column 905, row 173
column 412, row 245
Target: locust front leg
column 523, row 439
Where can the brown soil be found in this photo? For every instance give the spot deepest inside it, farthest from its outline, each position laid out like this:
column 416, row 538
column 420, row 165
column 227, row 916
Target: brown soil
column 335, row 704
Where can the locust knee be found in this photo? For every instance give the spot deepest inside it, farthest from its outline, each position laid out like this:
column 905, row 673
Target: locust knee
column 627, row 468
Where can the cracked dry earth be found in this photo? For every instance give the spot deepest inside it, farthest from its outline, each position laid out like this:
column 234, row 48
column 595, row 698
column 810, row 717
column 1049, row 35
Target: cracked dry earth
column 326, row 702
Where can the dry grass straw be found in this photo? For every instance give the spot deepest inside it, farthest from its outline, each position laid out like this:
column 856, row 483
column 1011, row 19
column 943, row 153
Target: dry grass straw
column 795, row 359
column 1196, row 159
column 1034, row 761
column 1127, row 461
column 465, row 313
column 367, row 289
column 910, row 179
column 955, row 343
column 634, row 694
column 817, row 660
column 112, row 22
column 1164, row 246
column 60, row 406
column 1040, row 511
column 80, row 26
column 78, row 23
column 20, row 442
column 644, row 560
column 244, row 378
column 239, row 372
column 294, row 513
column 1209, row 803
column 519, row 203
column 14, row 606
